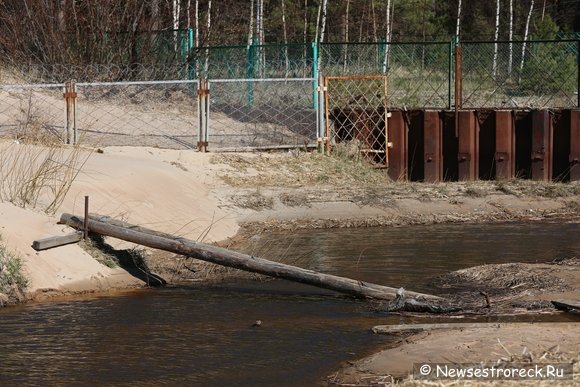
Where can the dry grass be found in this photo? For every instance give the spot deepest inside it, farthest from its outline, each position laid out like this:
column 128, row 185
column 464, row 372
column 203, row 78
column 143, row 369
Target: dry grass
column 38, row 167
column 13, row 283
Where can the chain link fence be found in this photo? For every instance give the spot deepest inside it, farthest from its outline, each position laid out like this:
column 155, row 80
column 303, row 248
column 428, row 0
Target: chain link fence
column 534, row 74
column 419, row 74
column 158, row 114
column 32, row 110
column 262, row 113
column 356, row 108
column 267, row 95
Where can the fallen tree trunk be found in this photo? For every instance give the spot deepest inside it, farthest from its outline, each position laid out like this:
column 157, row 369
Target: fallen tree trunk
column 131, row 233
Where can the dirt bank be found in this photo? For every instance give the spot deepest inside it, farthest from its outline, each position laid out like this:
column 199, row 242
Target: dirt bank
column 211, row 197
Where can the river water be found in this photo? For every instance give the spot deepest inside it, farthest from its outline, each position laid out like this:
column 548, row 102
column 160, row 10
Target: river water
column 195, row 335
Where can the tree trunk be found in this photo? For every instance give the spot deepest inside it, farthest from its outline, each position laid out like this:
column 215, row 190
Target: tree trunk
column 345, row 61
column 104, row 226
column 208, row 19
column 286, row 59
column 387, row 36
column 458, row 25
column 525, row 39
column 494, row 68
column 251, row 25
column 511, row 34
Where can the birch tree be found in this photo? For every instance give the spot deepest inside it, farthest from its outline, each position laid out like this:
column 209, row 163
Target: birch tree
column 510, row 37
column 388, row 32
column 497, row 2
column 346, row 27
column 251, row 24
column 175, row 16
column 457, row 30
column 323, row 26
column 208, row 23
column 525, row 39
column 286, row 59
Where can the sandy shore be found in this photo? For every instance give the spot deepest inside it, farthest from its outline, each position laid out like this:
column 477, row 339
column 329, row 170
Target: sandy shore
column 214, row 197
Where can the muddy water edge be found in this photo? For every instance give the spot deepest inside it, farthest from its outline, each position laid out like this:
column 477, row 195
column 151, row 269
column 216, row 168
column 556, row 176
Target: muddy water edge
column 206, row 335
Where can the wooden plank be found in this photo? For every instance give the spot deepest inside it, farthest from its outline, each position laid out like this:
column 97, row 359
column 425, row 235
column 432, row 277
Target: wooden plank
column 56, row 241
column 387, row 329
column 567, row 305
column 224, row 257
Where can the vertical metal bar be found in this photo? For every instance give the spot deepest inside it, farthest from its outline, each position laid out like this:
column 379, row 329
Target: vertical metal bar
column 578, row 72
column 320, row 113
column 316, row 83
column 202, row 142
column 75, row 134
column 386, row 120
column 70, row 96
column 542, row 136
column 575, row 145
column 505, row 161
column 399, row 144
column 327, row 125
column 432, row 147
column 468, row 155
column 86, row 219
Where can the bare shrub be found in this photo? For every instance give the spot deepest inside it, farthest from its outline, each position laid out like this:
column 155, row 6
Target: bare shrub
column 13, row 283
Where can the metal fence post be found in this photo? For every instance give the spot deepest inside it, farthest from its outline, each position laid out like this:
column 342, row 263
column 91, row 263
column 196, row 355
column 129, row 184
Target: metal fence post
column 202, row 101
column 70, row 95
column 251, row 71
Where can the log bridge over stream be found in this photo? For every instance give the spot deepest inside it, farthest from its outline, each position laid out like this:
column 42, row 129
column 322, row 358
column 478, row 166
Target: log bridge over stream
column 107, row 226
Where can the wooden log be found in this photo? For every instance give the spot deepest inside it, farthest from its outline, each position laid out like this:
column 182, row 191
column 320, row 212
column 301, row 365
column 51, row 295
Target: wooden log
column 56, row 241
column 387, row 329
column 224, row 257
column 572, row 306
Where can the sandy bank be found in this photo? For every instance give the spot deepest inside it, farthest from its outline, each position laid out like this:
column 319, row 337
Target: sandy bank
column 210, row 196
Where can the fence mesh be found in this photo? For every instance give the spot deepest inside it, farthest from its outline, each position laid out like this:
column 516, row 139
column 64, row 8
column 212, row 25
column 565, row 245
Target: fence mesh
column 356, row 108
column 32, row 111
column 546, row 76
column 418, row 73
column 266, row 95
column 253, row 113
column 156, row 114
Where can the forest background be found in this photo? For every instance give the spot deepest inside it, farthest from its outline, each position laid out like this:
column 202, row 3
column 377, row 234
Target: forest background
column 104, row 31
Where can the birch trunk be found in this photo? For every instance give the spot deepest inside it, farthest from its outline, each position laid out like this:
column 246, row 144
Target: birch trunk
column 495, row 39
column 251, row 26
column 387, row 36
column 208, row 19
column 511, row 34
column 286, row 59
column 457, row 28
column 525, row 39
column 176, row 12
column 346, row 34
column 323, row 26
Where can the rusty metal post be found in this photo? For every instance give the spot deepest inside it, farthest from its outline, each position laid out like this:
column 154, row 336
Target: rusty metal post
column 575, row 145
column 86, row 220
column 397, row 146
column 433, row 147
column 542, row 145
column 505, row 144
column 70, row 96
column 202, row 100
column 468, row 139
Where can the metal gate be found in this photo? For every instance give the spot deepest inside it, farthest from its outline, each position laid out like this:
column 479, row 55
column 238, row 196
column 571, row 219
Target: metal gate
column 356, row 114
